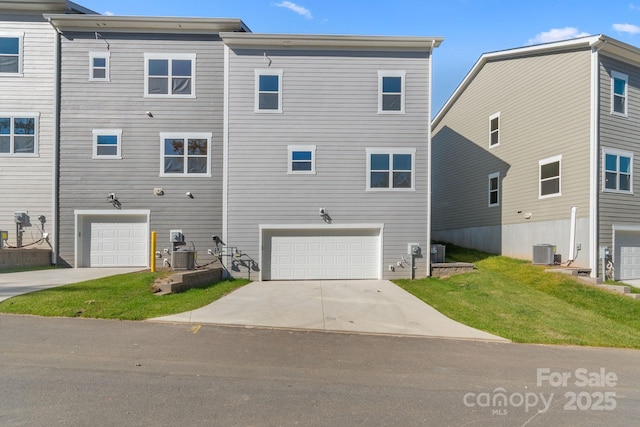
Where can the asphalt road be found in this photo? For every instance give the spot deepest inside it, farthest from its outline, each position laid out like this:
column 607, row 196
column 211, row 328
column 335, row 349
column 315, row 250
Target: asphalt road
column 56, row 372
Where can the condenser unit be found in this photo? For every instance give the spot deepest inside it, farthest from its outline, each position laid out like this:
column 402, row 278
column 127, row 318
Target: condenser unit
column 437, row 253
column 183, row 260
column 543, row 254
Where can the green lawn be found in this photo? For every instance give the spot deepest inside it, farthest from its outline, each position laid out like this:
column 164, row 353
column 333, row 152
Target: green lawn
column 124, row 297
column 520, row 301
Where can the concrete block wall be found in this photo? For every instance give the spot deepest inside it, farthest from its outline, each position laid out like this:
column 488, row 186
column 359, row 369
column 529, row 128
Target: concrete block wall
column 24, row 258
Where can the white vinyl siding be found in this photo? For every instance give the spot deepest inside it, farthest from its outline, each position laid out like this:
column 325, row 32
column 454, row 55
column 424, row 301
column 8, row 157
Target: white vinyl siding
column 268, row 91
column 107, row 143
column 391, row 92
column 11, row 53
column 99, row 66
column 619, row 93
column 170, row 75
column 618, row 171
column 550, row 176
column 494, row 130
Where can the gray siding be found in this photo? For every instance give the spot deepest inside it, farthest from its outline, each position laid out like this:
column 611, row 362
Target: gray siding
column 120, row 104
column 544, row 104
column 618, row 133
column 330, row 99
column 26, row 183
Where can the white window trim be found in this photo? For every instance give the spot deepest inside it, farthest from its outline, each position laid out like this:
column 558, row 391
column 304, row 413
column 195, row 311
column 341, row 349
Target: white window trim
column 620, row 76
column 392, row 73
column 618, row 153
column 170, row 57
column 546, row 161
column 391, row 152
column 291, row 149
column 186, row 135
column 491, row 117
column 107, row 58
column 36, row 133
column 100, row 132
column 492, row 176
column 268, row 72
column 20, row 37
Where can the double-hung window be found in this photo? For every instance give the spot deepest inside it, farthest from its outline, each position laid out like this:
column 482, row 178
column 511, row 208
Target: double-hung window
column 18, row 134
column 107, row 143
column 494, row 189
column 390, row 169
column 10, row 54
column 619, row 93
column 494, row 130
column 391, row 92
column 268, row 91
column 170, row 75
column 99, row 66
column 618, row 171
column 550, row 170
column 185, row 154
column 302, row 159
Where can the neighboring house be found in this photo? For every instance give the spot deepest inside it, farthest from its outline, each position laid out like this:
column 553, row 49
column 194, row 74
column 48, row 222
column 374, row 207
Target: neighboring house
column 141, row 136
column 537, row 146
column 28, row 120
column 327, row 155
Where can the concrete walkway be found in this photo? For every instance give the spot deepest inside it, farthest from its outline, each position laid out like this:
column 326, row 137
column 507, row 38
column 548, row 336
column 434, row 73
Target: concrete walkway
column 363, row 306
column 12, row 284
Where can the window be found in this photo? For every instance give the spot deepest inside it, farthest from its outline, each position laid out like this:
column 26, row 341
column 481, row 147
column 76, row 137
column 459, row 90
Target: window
column 494, row 130
column 619, row 93
column 99, row 66
column 269, row 91
column 18, row 134
column 550, row 176
column 494, row 189
column 618, row 167
column 390, row 169
column 391, row 91
column 185, row 154
column 106, row 143
column 10, row 54
column 302, row 159
column 170, row 75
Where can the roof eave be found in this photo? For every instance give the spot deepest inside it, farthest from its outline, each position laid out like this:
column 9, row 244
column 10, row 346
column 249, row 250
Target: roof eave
column 314, row 41
column 137, row 24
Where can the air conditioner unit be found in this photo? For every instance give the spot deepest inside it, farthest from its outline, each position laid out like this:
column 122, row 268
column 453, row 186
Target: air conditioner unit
column 183, row 260
column 543, row 254
column 437, row 253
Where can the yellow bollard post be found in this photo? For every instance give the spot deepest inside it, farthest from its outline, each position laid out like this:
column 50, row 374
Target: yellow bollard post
column 153, row 251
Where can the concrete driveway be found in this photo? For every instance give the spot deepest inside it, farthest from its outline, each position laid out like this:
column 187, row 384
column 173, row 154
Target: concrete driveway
column 364, row 306
column 12, row 284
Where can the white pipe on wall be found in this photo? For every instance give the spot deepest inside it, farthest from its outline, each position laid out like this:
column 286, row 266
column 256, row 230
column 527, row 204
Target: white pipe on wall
column 572, row 235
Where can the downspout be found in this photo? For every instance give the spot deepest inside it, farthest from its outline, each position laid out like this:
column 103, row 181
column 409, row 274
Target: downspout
column 572, row 235
column 56, row 144
column 594, row 150
column 430, row 85
column 225, row 149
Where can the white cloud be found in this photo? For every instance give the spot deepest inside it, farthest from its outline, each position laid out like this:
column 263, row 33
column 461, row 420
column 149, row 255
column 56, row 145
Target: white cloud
column 633, row 7
column 300, row 10
column 627, row 28
column 107, row 13
column 556, row 34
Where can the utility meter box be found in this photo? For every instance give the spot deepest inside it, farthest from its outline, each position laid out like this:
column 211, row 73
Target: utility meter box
column 21, row 218
column 414, row 249
column 176, row 236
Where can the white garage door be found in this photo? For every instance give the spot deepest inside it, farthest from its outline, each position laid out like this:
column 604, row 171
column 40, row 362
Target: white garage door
column 315, row 255
column 628, row 254
column 118, row 244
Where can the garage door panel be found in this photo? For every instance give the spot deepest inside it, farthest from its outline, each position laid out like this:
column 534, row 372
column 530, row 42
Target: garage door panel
column 117, row 243
column 309, row 254
column 628, row 254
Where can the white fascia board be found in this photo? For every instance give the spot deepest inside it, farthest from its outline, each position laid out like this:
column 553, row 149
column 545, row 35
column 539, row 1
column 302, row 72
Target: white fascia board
column 373, row 226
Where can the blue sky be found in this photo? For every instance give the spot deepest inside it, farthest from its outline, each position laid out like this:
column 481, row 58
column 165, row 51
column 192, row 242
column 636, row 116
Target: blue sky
column 470, row 27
